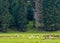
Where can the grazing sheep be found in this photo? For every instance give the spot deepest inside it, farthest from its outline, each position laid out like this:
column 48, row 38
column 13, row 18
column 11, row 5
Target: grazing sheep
column 31, row 36
column 51, row 36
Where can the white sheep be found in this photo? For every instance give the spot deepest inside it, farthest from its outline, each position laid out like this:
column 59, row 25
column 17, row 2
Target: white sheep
column 31, row 37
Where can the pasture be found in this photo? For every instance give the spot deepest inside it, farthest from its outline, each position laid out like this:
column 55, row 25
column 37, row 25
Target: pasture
column 44, row 37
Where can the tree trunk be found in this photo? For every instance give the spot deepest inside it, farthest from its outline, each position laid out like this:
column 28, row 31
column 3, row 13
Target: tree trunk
column 38, row 15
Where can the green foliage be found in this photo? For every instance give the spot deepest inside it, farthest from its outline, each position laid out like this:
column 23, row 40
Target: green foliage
column 16, row 13
column 13, row 12
column 51, row 14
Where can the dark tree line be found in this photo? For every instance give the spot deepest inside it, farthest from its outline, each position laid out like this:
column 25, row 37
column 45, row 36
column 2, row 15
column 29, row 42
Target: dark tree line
column 51, row 14
column 16, row 14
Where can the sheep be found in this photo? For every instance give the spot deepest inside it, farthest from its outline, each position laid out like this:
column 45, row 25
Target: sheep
column 31, row 36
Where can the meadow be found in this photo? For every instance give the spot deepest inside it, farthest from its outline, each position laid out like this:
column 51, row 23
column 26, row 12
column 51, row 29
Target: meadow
column 27, row 37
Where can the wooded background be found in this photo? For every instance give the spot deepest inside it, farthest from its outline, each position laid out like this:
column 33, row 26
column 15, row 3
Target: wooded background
column 22, row 15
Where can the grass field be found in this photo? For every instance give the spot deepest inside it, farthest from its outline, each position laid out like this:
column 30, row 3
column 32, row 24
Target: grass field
column 29, row 37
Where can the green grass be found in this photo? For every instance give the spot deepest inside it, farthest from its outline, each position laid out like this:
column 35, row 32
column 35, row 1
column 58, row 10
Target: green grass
column 25, row 37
